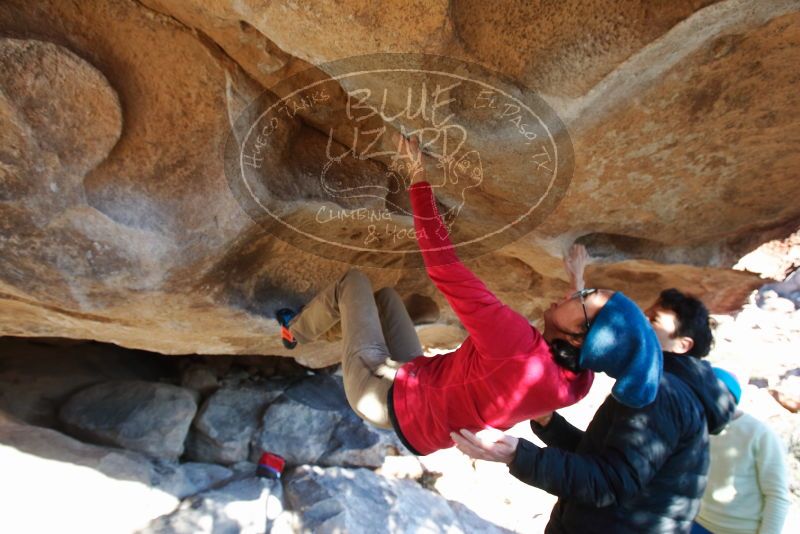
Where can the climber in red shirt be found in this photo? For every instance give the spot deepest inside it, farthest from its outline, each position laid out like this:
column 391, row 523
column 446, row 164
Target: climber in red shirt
column 504, row 372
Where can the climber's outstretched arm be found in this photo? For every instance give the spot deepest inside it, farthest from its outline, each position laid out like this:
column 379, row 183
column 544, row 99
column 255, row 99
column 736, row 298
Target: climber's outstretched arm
column 496, row 330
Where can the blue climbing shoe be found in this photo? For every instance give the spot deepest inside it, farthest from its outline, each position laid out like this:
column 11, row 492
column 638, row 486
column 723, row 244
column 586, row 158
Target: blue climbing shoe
column 283, row 316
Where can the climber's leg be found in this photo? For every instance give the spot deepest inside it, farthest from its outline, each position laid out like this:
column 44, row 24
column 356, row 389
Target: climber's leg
column 367, row 392
column 398, row 329
column 318, row 316
column 350, row 300
column 366, row 377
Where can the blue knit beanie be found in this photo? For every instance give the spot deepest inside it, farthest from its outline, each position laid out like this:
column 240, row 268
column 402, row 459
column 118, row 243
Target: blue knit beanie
column 622, row 344
column 730, row 381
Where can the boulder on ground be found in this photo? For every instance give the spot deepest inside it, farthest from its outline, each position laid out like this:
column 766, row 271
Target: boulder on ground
column 38, row 375
column 312, row 423
column 54, row 483
column 338, row 499
column 200, row 378
column 246, row 506
column 224, row 426
column 147, row 417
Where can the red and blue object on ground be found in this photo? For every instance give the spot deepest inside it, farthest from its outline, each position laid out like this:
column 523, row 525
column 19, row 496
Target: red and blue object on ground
column 270, row 465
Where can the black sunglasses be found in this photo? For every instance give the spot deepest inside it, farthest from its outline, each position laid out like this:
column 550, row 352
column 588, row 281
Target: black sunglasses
column 582, row 294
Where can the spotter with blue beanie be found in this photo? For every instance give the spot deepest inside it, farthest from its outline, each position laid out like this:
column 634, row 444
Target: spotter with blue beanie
column 642, row 463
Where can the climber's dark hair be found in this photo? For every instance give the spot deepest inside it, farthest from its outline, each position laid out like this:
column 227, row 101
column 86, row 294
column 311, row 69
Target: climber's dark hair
column 566, row 355
column 693, row 320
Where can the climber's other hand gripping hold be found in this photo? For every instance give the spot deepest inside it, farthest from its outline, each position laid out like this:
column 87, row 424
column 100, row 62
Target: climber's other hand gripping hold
column 408, row 148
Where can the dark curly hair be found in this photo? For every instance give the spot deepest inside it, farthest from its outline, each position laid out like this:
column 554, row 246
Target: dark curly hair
column 693, row 320
column 566, row 355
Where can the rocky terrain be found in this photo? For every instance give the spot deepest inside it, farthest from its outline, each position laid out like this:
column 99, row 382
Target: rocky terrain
column 118, row 440
column 114, row 440
column 170, row 445
column 174, row 171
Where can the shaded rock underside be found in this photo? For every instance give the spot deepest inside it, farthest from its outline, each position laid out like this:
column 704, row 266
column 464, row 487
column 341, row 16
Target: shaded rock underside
column 117, row 222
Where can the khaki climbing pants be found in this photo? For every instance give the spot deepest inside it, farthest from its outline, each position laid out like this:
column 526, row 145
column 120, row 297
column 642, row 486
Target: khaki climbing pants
column 376, row 327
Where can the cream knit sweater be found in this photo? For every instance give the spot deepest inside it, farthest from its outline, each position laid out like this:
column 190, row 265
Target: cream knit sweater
column 748, row 486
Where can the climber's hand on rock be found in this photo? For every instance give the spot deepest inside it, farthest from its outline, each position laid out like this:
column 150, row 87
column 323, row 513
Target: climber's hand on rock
column 408, row 149
column 575, row 264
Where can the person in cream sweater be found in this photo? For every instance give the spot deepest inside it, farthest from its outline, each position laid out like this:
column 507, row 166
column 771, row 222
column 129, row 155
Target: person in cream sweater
column 748, row 486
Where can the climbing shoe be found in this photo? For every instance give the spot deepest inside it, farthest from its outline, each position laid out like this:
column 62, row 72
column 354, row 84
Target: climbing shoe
column 283, row 316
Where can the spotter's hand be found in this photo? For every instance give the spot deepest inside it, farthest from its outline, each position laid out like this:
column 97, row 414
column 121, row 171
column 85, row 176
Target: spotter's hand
column 490, row 445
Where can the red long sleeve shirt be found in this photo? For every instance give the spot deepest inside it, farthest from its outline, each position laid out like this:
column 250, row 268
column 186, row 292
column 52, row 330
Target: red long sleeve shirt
column 502, row 374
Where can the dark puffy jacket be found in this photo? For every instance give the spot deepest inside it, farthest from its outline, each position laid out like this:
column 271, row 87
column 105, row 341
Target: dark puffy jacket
column 632, row 470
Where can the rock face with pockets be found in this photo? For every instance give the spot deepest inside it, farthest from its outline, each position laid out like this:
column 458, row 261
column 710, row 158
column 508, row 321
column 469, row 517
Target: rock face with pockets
column 118, row 222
